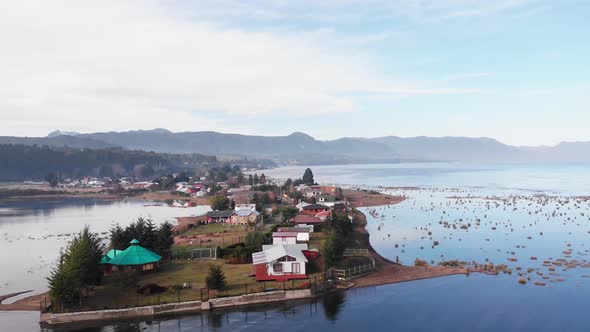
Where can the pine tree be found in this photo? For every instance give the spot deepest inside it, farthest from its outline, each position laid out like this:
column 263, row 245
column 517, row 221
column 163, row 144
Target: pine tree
column 308, row 177
column 216, row 278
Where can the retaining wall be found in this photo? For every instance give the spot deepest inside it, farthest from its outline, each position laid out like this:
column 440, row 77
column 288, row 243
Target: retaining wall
column 48, row 319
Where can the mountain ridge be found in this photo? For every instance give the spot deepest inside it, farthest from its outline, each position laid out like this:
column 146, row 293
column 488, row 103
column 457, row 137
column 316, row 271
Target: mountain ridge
column 301, row 148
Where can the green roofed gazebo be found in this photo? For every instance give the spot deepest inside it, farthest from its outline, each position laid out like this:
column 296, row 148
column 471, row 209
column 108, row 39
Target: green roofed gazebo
column 135, row 257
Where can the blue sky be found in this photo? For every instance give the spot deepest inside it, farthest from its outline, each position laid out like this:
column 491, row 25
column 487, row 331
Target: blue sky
column 514, row 70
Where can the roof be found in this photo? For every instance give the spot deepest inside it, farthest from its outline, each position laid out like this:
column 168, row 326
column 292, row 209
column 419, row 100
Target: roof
column 245, row 213
column 328, row 198
column 110, row 255
column 339, row 206
column 220, row 214
column 303, row 219
column 324, row 214
column 301, row 205
column 295, row 229
column 245, row 207
column 315, row 207
column 284, row 234
column 301, row 246
column 134, row 255
column 273, row 253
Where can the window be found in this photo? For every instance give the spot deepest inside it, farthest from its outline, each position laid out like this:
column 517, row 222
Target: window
column 147, row 267
column 277, row 267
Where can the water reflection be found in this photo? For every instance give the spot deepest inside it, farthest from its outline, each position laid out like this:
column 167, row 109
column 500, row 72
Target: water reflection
column 333, row 304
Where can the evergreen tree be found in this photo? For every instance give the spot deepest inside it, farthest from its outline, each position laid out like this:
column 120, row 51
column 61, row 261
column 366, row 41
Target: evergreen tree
column 308, row 177
column 216, row 278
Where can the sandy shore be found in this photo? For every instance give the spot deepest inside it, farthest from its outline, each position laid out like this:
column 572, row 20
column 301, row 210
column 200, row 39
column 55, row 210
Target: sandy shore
column 30, row 303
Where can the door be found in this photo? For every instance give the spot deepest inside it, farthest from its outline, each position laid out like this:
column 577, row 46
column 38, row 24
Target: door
column 296, row 268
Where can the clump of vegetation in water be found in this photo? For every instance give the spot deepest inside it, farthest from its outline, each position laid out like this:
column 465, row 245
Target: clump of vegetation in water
column 420, row 262
column 453, row 263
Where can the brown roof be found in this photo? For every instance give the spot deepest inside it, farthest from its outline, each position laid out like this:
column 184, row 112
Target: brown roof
column 304, row 219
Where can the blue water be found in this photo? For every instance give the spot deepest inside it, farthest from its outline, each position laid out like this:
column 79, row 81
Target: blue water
column 559, row 178
column 459, row 303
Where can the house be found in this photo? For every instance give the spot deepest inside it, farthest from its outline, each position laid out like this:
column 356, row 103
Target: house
column 301, row 205
column 313, row 209
column 200, row 193
column 312, row 191
column 306, row 219
column 134, row 258
column 323, row 215
column 284, row 238
column 245, row 217
column 219, row 216
column 280, row 262
column 302, row 232
column 246, row 207
column 328, row 200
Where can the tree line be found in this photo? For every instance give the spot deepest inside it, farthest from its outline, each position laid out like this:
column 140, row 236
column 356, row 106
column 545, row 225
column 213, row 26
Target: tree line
column 31, row 162
column 158, row 239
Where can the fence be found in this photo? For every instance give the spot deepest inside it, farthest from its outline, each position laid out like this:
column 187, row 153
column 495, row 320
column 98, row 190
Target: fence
column 194, row 253
column 355, row 270
column 128, row 298
column 355, row 252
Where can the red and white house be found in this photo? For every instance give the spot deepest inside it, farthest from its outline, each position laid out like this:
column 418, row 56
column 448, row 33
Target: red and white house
column 280, row 262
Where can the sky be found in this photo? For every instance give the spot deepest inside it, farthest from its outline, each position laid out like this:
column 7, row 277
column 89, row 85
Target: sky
column 514, row 70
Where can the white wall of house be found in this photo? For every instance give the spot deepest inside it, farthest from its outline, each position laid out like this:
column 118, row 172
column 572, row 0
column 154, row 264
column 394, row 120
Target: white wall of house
column 303, row 236
column 284, row 240
column 288, row 267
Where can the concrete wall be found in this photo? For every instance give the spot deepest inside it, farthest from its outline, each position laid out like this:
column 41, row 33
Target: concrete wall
column 48, row 319
column 115, row 314
column 260, row 298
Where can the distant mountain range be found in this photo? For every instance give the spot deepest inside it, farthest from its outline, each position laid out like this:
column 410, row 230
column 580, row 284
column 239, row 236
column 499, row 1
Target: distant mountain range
column 299, row 148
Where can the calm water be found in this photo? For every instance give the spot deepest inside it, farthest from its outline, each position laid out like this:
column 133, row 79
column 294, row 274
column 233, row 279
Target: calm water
column 505, row 218
column 32, row 233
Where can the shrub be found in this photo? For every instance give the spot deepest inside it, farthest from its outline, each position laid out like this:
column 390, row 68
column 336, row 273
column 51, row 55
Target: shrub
column 420, row 262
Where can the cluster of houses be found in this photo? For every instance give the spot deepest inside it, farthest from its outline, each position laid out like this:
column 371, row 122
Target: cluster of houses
column 287, row 257
column 197, row 189
column 242, row 214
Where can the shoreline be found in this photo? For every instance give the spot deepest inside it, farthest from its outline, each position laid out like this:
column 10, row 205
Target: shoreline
column 29, row 303
column 389, row 272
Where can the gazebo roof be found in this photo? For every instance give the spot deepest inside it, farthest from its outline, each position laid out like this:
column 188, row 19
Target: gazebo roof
column 133, row 255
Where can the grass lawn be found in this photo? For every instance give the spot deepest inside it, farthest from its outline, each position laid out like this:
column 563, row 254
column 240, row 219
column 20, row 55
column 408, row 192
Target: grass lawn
column 177, row 272
column 212, row 235
column 216, row 228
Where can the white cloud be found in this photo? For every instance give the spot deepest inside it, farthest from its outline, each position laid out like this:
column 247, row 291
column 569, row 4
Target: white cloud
column 116, row 65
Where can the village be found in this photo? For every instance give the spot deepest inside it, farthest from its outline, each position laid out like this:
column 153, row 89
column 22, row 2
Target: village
column 259, row 237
